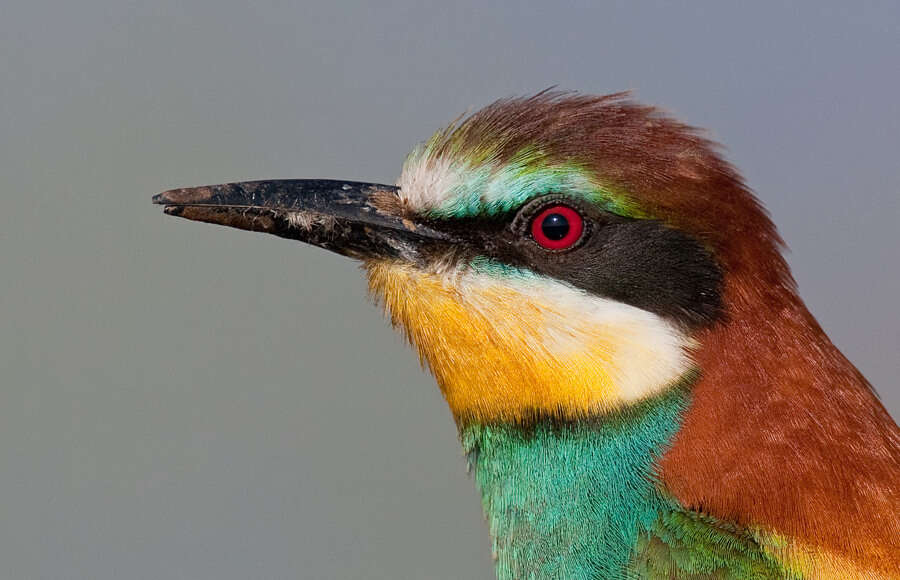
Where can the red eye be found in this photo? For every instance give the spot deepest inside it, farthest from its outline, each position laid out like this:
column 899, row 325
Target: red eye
column 557, row 228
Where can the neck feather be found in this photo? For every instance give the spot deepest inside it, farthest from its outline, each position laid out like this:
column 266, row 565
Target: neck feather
column 571, row 500
column 780, row 414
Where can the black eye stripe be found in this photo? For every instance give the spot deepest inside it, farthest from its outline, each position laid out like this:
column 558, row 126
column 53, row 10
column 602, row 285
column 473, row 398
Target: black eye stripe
column 641, row 262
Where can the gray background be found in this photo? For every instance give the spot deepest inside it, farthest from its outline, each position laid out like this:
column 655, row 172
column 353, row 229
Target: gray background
column 183, row 401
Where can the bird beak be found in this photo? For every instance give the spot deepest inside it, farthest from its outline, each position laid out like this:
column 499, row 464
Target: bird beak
column 354, row 219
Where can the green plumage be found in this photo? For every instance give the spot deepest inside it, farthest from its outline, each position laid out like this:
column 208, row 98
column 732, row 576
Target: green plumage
column 579, row 500
column 689, row 546
column 483, row 187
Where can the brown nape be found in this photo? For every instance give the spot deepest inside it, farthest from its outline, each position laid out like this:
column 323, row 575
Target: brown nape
column 783, row 431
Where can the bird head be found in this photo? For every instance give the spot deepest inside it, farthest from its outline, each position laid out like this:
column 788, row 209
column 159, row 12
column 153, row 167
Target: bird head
column 554, row 256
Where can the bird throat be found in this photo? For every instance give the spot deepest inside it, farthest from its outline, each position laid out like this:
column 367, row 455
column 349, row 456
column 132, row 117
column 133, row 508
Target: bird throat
column 564, row 400
column 508, row 345
column 573, row 500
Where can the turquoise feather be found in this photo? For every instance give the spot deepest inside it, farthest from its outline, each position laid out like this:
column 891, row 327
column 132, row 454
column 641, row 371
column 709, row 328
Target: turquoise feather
column 580, row 501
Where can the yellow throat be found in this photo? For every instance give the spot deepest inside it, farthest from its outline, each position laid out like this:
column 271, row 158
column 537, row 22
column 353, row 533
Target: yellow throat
column 506, row 344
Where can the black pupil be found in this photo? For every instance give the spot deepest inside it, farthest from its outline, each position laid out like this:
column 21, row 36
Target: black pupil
column 555, row 226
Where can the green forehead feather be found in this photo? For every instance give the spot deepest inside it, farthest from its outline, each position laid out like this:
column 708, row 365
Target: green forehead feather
column 475, row 181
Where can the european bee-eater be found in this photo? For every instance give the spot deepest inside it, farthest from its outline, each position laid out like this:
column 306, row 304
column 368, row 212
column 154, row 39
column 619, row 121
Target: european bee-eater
column 639, row 390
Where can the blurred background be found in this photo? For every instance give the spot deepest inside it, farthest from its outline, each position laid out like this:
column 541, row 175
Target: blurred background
column 183, row 401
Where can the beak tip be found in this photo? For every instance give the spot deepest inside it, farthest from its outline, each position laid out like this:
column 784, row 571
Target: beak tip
column 183, row 196
column 175, row 210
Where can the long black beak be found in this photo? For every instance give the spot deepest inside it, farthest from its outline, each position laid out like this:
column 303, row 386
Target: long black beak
column 360, row 220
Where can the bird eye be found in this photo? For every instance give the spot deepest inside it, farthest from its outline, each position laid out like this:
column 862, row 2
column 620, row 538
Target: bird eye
column 558, row 227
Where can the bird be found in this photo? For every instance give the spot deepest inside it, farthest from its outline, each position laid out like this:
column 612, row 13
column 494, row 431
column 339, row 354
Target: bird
column 639, row 390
